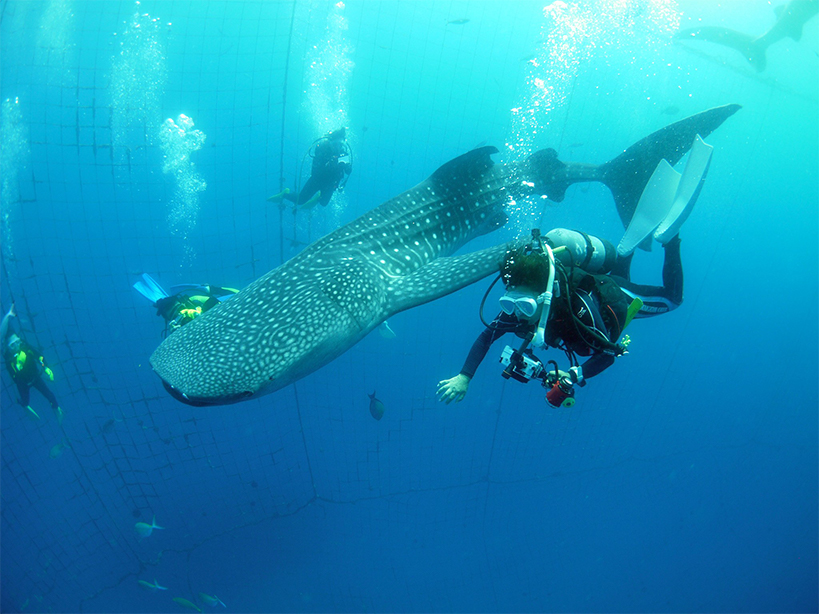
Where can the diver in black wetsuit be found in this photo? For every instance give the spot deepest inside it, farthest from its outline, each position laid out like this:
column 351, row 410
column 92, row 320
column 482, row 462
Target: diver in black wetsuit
column 26, row 366
column 327, row 173
column 595, row 302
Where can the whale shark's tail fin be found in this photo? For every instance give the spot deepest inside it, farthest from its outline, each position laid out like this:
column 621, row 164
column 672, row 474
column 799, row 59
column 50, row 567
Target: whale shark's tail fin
column 752, row 48
column 627, row 175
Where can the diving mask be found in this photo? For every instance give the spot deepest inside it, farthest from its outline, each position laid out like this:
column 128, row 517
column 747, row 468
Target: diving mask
column 519, row 303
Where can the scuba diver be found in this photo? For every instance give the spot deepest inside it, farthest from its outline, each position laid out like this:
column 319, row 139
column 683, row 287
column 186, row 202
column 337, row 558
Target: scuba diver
column 572, row 291
column 26, row 367
column 328, row 173
column 187, row 302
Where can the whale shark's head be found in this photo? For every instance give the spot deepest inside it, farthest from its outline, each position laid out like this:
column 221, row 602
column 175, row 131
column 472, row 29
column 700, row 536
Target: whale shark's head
column 282, row 327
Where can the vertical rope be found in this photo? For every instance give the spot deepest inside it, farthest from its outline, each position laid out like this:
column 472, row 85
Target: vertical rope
column 281, row 146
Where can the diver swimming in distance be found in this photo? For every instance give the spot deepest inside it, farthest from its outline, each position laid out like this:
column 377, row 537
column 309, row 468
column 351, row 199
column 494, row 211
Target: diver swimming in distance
column 573, row 292
column 327, row 298
column 328, row 173
column 791, row 19
column 26, row 366
column 184, row 303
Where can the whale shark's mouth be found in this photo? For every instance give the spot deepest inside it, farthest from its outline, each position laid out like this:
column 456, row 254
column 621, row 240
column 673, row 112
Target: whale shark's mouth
column 205, row 401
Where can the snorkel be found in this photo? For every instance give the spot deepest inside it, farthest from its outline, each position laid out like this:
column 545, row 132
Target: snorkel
column 545, row 298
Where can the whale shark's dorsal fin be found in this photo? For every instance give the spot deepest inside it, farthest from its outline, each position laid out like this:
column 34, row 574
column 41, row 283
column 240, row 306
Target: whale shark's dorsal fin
column 465, row 168
column 444, row 276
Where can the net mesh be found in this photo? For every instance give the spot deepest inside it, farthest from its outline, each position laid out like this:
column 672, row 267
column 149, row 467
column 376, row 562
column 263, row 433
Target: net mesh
column 298, row 499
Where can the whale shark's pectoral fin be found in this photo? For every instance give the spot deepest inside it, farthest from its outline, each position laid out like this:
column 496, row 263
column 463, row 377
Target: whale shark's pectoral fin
column 444, row 276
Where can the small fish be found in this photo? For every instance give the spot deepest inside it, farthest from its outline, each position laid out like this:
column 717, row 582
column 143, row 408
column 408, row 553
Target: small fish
column 376, row 407
column 144, row 529
column 187, row 604
column 57, row 450
column 671, row 110
column 457, row 22
column 575, row 145
column 212, row 601
column 151, row 587
column 385, row 331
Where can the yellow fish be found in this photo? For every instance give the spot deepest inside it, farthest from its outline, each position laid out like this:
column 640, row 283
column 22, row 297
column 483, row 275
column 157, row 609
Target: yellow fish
column 144, row 529
column 186, row 604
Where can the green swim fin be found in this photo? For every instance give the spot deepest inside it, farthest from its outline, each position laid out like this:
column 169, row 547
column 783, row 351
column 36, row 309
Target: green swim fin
column 635, row 306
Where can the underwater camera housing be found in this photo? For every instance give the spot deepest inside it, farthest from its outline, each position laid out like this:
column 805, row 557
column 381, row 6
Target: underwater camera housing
column 523, row 366
column 520, row 366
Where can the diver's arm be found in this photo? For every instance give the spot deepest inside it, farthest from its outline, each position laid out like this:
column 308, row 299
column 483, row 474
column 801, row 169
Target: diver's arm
column 595, row 365
column 455, row 388
column 500, row 326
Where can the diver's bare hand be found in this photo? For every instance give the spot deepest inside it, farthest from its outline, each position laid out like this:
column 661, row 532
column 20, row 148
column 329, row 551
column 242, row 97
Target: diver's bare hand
column 453, row 389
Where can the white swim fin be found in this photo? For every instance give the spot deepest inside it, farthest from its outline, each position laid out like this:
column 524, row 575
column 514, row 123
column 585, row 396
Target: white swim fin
column 667, row 200
column 688, row 191
column 149, row 288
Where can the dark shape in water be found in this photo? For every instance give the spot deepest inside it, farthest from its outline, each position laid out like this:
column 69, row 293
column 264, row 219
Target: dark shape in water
column 790, row 20
column 671, row 109
column 457, row 22
column 376, row 407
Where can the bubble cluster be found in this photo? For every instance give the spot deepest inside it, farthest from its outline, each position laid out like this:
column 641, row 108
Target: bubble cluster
column 138, row 77
column 572, row 34
column 55, row 46
column 328, row 76
column 14, row 155
column 178, row 140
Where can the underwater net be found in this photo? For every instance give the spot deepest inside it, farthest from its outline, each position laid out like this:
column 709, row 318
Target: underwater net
column 147, row 137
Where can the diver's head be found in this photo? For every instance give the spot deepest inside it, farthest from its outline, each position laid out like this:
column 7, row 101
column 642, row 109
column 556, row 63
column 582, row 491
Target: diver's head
column 526, row 276
column 14, row 342
column 526, row 268
column 338, row 135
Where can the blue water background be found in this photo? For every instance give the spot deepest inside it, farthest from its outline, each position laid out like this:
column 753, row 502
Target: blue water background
column 685, row 478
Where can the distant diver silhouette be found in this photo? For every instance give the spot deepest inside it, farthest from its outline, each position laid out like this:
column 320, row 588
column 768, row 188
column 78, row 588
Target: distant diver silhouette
column 790, row 20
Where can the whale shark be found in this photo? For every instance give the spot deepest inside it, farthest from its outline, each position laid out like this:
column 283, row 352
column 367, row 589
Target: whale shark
column 790, row 21
column 317, row 305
